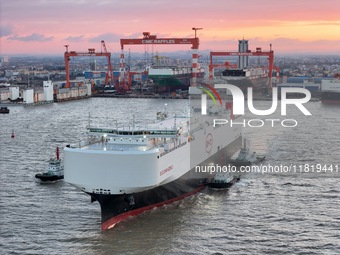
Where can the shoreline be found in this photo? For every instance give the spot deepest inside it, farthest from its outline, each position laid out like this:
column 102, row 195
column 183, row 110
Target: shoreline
column 7, row 103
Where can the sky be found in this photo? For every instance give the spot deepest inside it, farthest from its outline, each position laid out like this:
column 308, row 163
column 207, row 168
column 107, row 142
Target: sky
column 291, row 26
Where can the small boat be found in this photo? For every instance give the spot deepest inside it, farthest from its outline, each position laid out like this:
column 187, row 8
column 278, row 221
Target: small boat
column 55, row 170
column 4, row 110
column 162, row 115
column 245, row 158
column 222, row 181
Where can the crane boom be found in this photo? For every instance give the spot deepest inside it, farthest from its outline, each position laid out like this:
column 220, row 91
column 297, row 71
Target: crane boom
column 108, row 78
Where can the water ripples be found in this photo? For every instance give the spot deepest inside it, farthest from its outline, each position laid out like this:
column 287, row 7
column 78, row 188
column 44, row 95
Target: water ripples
column 289, row 213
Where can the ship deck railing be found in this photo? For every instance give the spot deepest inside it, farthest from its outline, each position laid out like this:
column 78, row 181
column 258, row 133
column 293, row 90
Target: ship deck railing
column 172, row 149
column 100, row 144
column 142, row 133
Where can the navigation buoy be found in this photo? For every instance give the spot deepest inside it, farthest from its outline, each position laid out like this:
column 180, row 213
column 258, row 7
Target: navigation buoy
column 12, row 135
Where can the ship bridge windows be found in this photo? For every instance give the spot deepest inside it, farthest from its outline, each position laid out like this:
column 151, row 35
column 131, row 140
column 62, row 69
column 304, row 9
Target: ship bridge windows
column 101, row 130
column 143, row 133
column 151, row 132
column 163, row 132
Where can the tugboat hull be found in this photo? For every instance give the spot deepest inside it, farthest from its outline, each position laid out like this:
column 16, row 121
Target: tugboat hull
column 46, row 178
column 222, row 184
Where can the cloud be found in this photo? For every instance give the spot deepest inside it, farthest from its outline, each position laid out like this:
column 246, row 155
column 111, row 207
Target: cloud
column 31, row 38
column 5, row 30
column 109, row 37
column 134, row 35
column 78, row 38
column 113, row 37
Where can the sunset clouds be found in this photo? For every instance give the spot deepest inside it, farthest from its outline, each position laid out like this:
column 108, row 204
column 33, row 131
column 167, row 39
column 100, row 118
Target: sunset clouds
column 44, row 26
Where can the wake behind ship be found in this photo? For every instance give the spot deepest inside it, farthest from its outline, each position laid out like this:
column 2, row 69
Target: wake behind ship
column 131, row 170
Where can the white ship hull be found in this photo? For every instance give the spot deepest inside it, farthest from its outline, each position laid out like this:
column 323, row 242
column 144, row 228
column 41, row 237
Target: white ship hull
column 122, row 172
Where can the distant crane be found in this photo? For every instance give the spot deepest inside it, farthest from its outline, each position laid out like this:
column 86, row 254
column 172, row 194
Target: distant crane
column 196, row 28
column 158, row 58
column 90, row 52
column 108, row 77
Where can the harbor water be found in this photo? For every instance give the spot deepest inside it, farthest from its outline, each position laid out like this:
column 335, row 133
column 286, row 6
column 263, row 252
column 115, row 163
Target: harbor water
column 294, row 212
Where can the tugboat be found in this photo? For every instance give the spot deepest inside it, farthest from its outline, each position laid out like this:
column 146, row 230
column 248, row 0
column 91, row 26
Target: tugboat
column 4, row 110
column 222, row 181
column 55, row 170
column 245, row 158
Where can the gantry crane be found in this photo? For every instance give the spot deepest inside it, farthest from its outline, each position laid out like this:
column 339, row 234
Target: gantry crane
column 152, row 39
column 90, row 52
column 258, row 52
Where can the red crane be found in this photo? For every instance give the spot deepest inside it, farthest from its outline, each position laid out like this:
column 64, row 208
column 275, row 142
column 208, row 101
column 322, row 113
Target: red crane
column 108, row 78
column 258, row 52
column 90, row 52
column 152, row 39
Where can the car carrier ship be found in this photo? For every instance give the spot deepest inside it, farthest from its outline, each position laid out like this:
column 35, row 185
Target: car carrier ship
column 131, row 170
column 330, row 91
column 172, row 78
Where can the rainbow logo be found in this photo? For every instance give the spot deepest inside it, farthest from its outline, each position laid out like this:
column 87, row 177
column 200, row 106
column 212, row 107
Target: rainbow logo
column 211, row 94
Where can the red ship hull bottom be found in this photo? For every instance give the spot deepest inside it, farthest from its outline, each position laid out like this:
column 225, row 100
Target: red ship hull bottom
column 113, row 221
